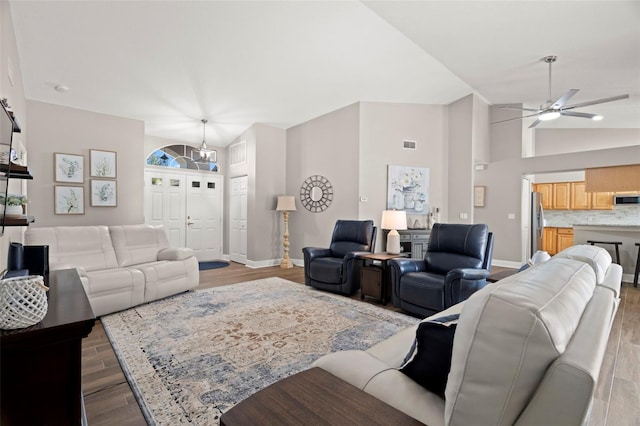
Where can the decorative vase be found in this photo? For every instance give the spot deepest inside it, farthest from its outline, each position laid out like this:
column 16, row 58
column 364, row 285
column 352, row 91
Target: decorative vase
column 12, row 211
column 409, row 197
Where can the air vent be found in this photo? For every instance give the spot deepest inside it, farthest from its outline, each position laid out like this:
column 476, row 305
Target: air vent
column 409, row 144
column 238, row 153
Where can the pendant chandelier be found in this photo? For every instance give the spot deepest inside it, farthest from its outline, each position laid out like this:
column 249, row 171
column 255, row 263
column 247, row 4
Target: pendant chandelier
column 206, row 154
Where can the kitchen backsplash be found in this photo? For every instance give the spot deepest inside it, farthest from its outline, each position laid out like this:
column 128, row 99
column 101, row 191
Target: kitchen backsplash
column 620, row 215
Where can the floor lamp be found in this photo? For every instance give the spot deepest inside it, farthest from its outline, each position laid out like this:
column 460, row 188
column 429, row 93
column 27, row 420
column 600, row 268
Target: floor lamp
column 286, row 204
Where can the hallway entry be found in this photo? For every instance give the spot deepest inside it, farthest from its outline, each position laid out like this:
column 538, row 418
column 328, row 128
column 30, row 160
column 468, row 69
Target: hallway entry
column 189, row 205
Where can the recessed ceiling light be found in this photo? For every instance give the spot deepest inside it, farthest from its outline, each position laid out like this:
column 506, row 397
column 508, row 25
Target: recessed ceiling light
column 61, row 88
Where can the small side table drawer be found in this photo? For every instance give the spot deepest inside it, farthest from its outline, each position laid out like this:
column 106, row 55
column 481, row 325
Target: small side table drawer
column 371, row 282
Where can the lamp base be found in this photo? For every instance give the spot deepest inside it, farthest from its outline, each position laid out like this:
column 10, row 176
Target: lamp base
column 393, row 242
column 286, row 264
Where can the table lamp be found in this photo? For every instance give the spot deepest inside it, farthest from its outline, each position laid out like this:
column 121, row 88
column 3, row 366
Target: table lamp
column 394, row 220
column 286, row 204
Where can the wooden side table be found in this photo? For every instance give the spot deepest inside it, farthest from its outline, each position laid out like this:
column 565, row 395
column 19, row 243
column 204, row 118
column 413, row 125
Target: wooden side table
column 314, row 397
column 41, row 365
column 374, row 279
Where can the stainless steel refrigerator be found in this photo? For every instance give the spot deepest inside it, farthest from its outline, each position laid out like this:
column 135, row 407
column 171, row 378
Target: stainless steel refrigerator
column 537, row 222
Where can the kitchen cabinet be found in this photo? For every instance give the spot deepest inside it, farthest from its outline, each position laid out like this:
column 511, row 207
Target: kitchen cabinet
column 572, row 196
column 562, row 196
column 546, row 189
column 549, row 240
column 602, row 200
column 580, row 199
column 554, row 240
column 564, row 239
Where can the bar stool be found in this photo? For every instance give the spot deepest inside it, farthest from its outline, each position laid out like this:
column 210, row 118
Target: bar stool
column 635, row 275
column 616, row 243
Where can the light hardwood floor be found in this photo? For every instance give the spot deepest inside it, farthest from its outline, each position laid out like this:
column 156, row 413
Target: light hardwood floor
column 110, row 401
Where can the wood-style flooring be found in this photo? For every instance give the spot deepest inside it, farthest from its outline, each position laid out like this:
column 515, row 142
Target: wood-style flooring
column 110, row 401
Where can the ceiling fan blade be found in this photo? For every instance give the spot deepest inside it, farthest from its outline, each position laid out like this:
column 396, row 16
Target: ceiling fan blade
column 577, row 114
column 597, row 101
column 514, row 118
column 564, row 98
column 536, row 110
column 535, row 123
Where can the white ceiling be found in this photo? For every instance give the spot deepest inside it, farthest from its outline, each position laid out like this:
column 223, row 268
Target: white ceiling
column 171, row 63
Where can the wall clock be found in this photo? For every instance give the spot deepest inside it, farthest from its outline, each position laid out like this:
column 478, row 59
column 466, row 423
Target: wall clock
column 316, row 193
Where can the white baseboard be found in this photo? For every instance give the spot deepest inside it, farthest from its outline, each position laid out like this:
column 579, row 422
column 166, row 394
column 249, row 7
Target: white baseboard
column 506, row 263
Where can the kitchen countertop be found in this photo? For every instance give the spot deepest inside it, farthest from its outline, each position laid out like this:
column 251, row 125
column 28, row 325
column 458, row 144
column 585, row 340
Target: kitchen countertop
column 608, row 225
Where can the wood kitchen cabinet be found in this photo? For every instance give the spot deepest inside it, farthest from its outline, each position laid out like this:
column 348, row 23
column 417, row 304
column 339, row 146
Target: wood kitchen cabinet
column 546, row 189
column 602, row 200
column 580, row 199
column 564, row 239
column 572, row 196
column 562, row 196
column 549, row 240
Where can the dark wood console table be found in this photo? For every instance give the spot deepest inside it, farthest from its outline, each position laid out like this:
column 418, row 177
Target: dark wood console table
column 40, row 379
column 314, row 397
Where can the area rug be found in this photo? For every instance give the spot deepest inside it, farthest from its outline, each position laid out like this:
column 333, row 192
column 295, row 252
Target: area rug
column 193, row 356
column 203, row 266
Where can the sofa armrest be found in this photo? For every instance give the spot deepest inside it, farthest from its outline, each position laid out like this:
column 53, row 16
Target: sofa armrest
column 399, row 267
column 460, row 283
column 80, row 269
column 180, row 253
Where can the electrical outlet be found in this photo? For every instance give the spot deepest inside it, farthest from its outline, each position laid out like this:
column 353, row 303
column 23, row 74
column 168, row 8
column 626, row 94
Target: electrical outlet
column 464, row 216
column 511, row 216
column 363, row 199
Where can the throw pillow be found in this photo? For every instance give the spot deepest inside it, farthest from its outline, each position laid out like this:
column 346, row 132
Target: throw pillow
column 429, row 360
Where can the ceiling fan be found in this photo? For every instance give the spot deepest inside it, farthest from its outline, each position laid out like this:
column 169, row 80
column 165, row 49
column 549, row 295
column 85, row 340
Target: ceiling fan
column 551, row 110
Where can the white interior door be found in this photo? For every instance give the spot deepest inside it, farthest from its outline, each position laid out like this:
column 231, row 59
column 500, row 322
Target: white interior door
column 164, row 201
column 204, row 218
column 238, row 220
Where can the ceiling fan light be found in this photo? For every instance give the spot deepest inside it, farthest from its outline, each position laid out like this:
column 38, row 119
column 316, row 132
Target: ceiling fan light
column 546, row 116
column 597, row 117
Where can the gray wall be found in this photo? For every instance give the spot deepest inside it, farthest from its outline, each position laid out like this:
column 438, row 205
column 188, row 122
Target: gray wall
column 326, row 146
column 383, row 127
column 460, row 170
column 558, row 141
column 265, row 169
column 15, row 96
column 54, row 128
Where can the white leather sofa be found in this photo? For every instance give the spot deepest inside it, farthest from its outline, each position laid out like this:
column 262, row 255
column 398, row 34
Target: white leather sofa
column 527, row 350
column 120, row 266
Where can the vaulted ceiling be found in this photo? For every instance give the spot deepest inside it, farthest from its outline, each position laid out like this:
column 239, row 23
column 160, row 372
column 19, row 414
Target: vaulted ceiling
column 171, row 63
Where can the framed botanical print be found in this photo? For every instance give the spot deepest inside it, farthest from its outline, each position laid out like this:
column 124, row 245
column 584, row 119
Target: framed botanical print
column 68, row 168
column 103, row 193
column 103, row 163
column 69, row 199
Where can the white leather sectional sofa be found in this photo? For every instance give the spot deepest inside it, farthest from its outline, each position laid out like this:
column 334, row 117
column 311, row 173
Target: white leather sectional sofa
column 527, row 350
column 120, row 266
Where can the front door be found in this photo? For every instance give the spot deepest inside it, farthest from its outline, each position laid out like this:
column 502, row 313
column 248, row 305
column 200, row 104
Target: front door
column 189, row 206
column 165, row 198
column 204, row 218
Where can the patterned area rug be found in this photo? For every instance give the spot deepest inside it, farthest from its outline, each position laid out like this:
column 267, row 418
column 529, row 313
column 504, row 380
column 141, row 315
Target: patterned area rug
column 193, row 356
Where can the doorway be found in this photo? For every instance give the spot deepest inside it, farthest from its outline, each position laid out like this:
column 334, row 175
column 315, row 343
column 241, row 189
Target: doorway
column 189, row 206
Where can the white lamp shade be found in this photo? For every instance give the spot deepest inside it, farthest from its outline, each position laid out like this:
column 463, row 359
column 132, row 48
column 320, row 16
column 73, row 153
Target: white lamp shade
column 394, row 219
column 286, row 203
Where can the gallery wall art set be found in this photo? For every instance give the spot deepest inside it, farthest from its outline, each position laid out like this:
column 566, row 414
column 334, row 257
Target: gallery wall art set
column 69, row 174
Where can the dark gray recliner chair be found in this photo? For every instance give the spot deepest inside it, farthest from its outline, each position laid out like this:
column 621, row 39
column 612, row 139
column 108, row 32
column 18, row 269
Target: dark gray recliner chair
column 336, row 268
column 456, row 264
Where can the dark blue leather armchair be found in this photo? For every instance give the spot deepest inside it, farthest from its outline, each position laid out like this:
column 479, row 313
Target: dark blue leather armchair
column 456, row 264
column 336, row 268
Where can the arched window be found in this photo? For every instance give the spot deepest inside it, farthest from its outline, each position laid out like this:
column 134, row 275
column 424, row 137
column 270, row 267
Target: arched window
column 180, row 157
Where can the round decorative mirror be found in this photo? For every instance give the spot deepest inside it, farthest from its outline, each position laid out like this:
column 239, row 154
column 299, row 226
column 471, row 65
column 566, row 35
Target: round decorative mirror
column 316, row 193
